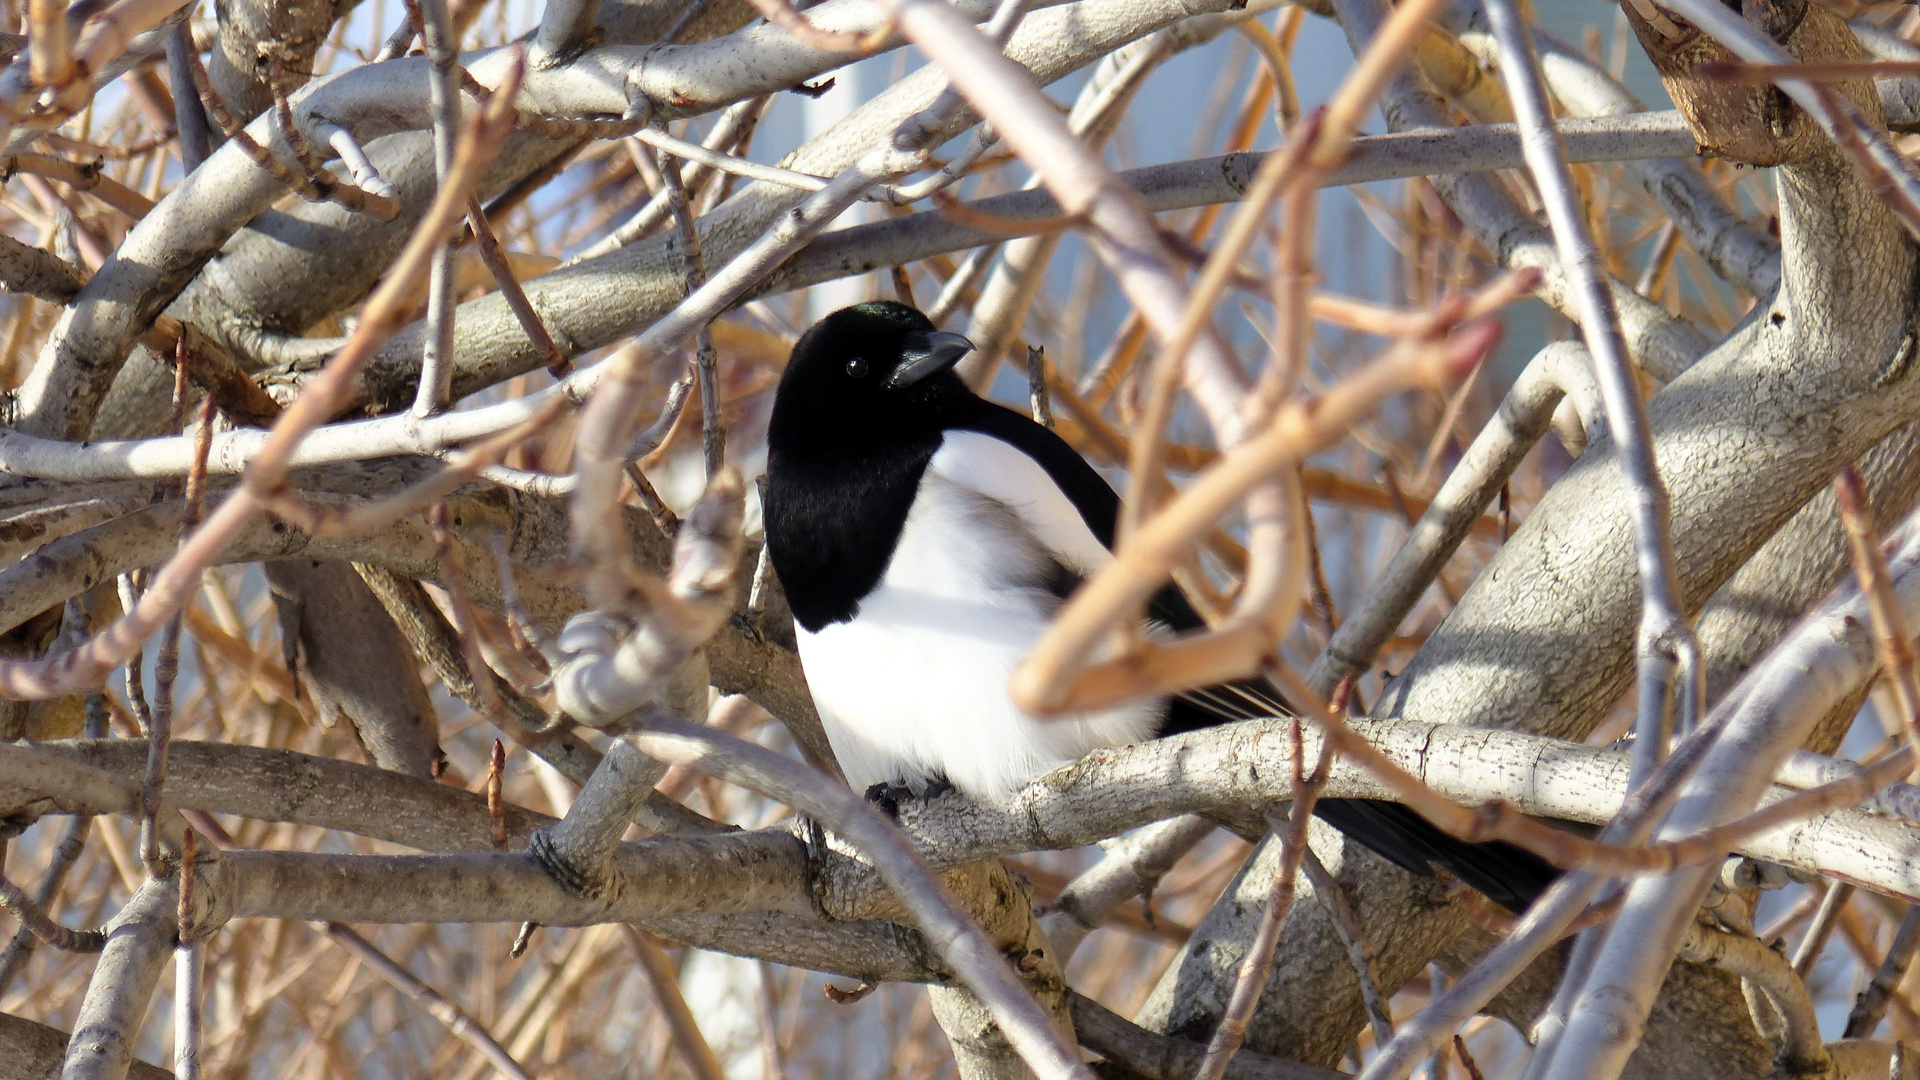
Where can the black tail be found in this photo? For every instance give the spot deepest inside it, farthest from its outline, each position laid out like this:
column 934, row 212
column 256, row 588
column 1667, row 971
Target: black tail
column 1507, row 875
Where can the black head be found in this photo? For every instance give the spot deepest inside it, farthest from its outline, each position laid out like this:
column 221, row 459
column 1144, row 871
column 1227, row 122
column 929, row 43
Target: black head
column 870, row 369
column 859, row 413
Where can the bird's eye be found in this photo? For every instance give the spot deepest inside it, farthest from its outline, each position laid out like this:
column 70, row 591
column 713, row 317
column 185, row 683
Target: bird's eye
column 857, row 367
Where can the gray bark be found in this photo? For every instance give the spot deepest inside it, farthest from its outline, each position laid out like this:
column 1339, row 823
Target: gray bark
column 1543, row 640
column 31, row 1051
column 237, row 70
column 140, row 942
column 356, row 664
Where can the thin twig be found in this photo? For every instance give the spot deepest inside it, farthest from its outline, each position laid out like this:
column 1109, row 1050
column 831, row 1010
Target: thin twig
column 66, row 852
column 528, row 637
column 1825, row 918
column 312, row 188
column 1665, row 640
column 166, row 667
column 36, row 921
column 437, row 360
column 1250, row 980
column 1333, row 897
column 947, row 928
column 695, row 1053
column 461, row 1025
column 1872, row 1003
column 173, row 585
column 1466, row 1059
column 465, row 623
column 1870, row 567
column 713, row 433
column 495, row 257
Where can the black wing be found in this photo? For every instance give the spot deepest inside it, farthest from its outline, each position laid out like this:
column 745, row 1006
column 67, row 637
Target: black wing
column 1507, row 875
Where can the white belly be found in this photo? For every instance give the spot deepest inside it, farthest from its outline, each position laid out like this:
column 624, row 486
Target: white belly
column 915, row 685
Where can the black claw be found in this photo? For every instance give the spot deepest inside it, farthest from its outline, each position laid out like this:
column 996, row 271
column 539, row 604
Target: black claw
column 890, row 796
column 887, row 797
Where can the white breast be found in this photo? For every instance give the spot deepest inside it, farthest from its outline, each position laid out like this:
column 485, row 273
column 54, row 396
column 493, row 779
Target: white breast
column 915, row 685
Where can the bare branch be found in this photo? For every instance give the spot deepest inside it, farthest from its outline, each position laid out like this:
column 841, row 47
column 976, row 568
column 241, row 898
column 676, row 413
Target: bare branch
column 173, row 584
column 35, row 921
column 1666, row 648
column 139, row 941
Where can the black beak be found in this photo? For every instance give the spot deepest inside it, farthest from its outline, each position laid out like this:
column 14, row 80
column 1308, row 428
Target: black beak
column 924, row 354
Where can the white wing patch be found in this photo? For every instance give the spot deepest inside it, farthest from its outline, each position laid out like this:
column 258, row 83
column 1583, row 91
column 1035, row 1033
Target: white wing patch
column 915, row 685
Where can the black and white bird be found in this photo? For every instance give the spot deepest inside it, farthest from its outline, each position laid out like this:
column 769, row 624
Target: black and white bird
column 926, row 536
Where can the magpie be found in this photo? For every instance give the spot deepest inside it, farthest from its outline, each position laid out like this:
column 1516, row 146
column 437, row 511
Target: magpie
column 925, row 537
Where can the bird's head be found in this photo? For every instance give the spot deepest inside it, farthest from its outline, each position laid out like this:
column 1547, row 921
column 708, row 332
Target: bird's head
column 868, row 365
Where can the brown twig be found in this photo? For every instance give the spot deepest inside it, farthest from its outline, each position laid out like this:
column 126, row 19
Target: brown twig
column 1051, row 680
column 290, row 133
column 49, row 45
column 1870, row 566
column 782, row 14
column 496, row 785
column 213, row 369
column 166, row 667
column 1466, row 1059
column 88, row 177
column 312, row 187
column 1499, row 820
column 495, row 257
column 650, row 500
column 1826, row 71
column 464, row 622
column 971, row 217
column 695, row 1053
column 461, row 1025
column 1250, row 981
column 127, row 151
column 1353, row 933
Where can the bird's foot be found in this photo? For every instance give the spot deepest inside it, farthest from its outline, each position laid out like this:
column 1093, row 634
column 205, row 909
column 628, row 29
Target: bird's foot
column 749, row 625
column 891, row 795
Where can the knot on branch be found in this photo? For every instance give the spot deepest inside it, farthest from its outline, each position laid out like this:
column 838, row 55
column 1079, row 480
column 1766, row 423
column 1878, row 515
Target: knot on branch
column 573, row 875
column 209, row 899
column 1754, row 123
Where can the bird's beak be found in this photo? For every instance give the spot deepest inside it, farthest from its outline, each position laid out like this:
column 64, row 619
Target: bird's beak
column 926, row 354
